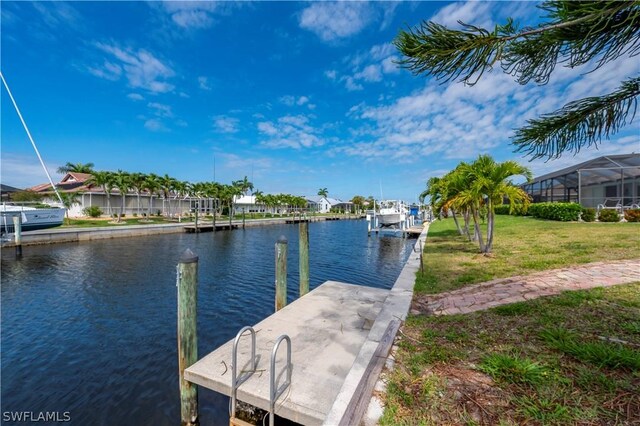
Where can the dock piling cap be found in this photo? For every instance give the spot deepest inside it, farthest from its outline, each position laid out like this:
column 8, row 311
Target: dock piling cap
column 188, row 257
column 282, row 240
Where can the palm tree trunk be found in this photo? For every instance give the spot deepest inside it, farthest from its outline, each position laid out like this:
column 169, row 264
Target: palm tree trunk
column 465, row 215
column 138, row 203
column 490, row 223
column 455, row 219
column 476, row 224
column 150, row 206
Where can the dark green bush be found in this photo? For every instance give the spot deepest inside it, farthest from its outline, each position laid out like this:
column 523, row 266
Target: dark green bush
column 518, row 210
column 503, row 209
column 609, row 215
column 92, row 211
column 588, row 214
column 564, row 212
column 632, row 215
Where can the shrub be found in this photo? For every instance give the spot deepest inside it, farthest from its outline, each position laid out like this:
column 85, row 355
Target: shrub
column 144, row 215
column 556, row 211
column 92, row 211
column 503, row 209
column 135, row 215
column 115, row 215
column 518, row 209
column 122, row 215
column 608, row 215
column 158, row 213
column 588, row 214
column 632, row 215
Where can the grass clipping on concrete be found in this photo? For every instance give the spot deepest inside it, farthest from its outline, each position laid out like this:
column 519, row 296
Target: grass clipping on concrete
column 523, row 245
column 567, row 359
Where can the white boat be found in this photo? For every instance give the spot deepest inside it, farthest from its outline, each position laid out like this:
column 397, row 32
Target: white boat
column 392, row 213
column 32, row 218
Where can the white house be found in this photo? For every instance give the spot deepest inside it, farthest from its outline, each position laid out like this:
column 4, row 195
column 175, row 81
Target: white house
column 322, row 204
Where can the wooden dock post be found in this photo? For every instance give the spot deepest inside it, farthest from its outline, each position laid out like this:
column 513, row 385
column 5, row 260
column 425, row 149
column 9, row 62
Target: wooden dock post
column 197, row 208
column 281, row 273
column 243, row 218
column 187, row 283
column 214, row 218
column 17, row 230
column 304, row 258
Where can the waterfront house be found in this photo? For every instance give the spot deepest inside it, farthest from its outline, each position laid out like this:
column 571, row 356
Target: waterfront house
column 92, row 195
column 610, row 180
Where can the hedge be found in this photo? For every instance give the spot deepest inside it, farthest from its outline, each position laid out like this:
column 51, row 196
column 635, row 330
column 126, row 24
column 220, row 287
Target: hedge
column 588, row 215
column 518, row 209
column 564, row 212
column 609, row 216
column 632, row 215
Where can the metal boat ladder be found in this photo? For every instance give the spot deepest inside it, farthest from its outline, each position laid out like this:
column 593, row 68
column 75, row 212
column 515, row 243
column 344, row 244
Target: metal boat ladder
column 275, row 392
column 236, row 381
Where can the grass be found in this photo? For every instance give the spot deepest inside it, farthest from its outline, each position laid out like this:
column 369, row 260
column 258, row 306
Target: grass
column 90, row 223
column 553, row 360
column 522, row 245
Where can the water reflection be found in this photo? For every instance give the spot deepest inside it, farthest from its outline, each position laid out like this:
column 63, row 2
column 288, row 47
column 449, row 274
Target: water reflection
column 90, row 328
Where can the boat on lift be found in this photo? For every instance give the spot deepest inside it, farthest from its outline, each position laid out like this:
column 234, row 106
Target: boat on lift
column 392, row 214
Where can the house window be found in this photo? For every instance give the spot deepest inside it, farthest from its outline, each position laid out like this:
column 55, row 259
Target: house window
column 611, row 191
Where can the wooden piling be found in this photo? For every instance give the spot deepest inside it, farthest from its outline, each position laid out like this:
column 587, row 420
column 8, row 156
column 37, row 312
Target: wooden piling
column 187, row 283
column 304, row 258
column 243, row 216
column 17, row 230
column 281, row 273
column 197, row 219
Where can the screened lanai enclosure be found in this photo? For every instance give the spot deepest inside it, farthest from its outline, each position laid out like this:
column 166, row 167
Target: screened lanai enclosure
column 611, row 181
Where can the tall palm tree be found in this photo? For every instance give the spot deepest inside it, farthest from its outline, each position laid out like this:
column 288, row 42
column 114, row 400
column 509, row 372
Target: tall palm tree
column 244, row 185
column 167, row 184
column 76, row 168
column 138, row 182
column 152, row 186
column 105, row 180
column 259, row 199
column 323, row 192
column 122, row 181
column 181, row 189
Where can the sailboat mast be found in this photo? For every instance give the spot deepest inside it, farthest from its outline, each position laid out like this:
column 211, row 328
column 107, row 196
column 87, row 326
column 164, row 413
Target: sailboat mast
column 6, row 86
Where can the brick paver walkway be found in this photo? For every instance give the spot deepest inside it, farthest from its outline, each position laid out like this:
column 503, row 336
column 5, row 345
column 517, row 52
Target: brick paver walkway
column 520, row 288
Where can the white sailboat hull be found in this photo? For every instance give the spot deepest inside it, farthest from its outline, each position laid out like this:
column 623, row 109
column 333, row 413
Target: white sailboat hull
column 386, row 219
column 31, row 218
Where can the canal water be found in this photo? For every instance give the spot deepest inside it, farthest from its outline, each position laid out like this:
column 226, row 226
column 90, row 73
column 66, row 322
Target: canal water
column 90, row 328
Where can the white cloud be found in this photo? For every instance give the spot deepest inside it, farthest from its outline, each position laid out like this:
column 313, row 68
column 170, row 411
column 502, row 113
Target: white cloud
column 203, row 83
column 161, row 110
column 196, row 14
column 290, row 131
column 370, row 73
column 302, row 100
column 459, row 122
column 135, row 97
column 470, row 12
column 336, row 20
column 289, row 100
column 331, row 74
column 350, row 83
column 23, row 171
column 225, row 124
column 155, row 125
column 140, row 67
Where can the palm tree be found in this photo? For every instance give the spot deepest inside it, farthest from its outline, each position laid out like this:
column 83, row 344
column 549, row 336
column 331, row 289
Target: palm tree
column 76, row 168
column 122, row 181
column 491, row 181
column 323, row 192
column 258, row 198
column 244, row 185
column 105, row 180
column 181, row 189
column 138, row 182
column 167, row 184
column 69, row 199
column 151, row 185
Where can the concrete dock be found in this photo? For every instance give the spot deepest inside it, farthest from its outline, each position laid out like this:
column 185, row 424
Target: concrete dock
column 340, row 333
column 327, row 327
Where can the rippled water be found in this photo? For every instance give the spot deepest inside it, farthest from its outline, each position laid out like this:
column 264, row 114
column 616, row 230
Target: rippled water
column 90, row 328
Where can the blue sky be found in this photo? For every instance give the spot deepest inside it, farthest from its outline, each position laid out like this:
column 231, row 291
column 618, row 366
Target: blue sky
column 297, row 96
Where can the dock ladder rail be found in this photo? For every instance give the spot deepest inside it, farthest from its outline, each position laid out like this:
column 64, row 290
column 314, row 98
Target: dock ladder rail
column 274, row 393
column 235, row 380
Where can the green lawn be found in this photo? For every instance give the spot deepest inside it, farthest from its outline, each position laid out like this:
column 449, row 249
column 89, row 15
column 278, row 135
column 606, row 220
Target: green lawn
column 522, row 245
column 567, row 359
column 546, row 361
column 90, row 223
